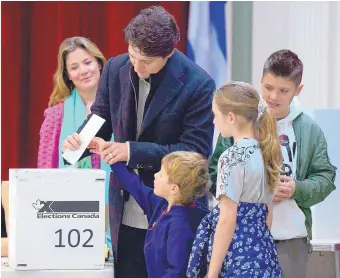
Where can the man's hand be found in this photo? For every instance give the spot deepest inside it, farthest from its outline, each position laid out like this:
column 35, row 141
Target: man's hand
column 284, row 190
column 72, row 142
column 110, row 152
column 113, row 152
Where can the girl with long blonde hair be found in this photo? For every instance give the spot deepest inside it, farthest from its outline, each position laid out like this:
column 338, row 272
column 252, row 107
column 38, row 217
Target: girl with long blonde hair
column 234, row 240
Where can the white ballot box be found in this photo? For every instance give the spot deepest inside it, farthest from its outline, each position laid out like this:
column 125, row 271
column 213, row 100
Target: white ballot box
column 106, row 272
column 56, row 219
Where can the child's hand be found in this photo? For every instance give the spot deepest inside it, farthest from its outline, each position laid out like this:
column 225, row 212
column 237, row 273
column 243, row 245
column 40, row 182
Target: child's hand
column 284, row 190
column 98, row 145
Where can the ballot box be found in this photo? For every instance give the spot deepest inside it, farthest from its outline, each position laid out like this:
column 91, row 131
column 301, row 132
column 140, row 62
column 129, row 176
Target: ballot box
column 56, row 219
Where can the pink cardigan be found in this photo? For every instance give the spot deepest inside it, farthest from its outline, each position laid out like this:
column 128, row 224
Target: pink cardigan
column 48, row 153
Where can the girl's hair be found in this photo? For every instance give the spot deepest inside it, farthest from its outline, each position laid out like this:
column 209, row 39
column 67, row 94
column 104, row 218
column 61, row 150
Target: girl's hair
column 190, row 171
column 242, row 99
column 63, row 86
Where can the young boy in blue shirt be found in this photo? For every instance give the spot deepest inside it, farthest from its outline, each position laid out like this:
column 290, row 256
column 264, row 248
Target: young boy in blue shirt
column 171, row 208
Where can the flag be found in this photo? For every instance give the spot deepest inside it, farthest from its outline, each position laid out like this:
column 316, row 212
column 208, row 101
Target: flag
column 207, row 45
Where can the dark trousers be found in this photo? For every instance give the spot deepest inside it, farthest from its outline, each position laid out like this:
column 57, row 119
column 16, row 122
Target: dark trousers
column 130, row 259
column 293, row 256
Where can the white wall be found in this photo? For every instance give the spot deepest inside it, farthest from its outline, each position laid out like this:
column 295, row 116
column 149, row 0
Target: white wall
column 312, row 30
column 325, row 227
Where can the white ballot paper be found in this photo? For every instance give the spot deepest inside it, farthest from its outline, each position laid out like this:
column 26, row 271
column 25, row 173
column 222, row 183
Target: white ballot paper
column 86, row 135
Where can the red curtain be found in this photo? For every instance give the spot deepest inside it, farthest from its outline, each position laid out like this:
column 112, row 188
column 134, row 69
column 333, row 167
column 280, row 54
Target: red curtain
column 30, row 37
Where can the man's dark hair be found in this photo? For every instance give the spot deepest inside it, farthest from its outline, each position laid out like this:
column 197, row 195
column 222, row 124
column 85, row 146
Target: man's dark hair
column 154, row 32
column 285, row 63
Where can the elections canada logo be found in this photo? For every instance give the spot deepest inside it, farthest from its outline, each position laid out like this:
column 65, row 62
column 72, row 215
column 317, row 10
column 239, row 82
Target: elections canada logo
column 66, row 209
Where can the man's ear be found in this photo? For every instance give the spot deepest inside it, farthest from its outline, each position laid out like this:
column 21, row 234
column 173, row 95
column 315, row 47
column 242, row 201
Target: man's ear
column 172, row 53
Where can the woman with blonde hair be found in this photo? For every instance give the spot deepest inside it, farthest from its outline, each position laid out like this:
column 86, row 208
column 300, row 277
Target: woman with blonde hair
column 234, row 240
column 80, row 64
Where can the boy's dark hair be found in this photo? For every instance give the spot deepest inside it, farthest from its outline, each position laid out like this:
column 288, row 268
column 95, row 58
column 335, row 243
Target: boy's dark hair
column 285, row 63
column 154, row 32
